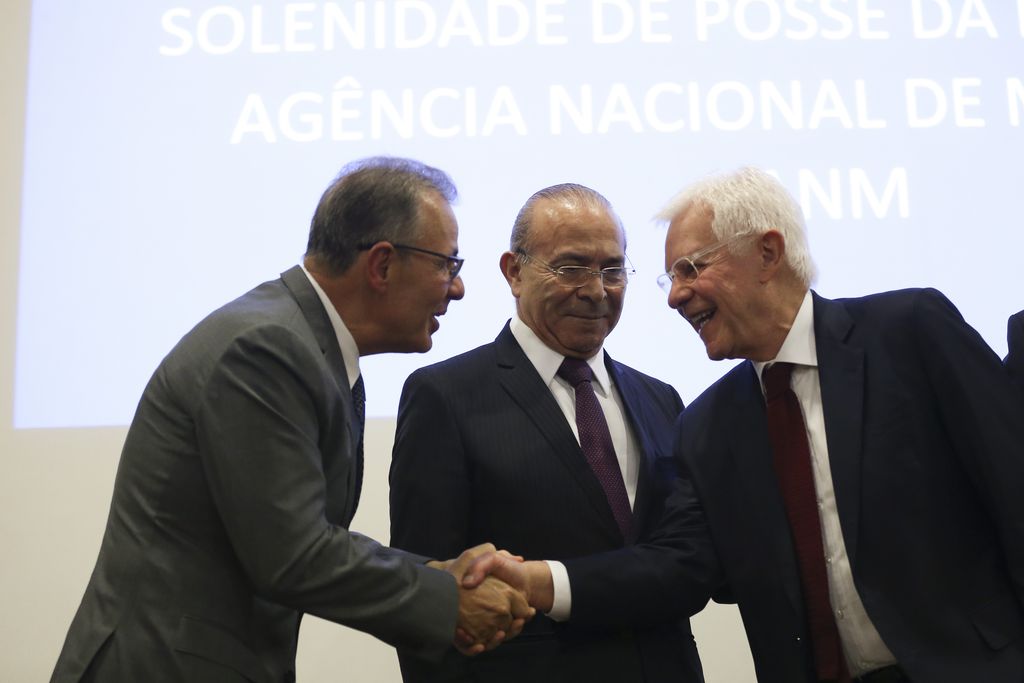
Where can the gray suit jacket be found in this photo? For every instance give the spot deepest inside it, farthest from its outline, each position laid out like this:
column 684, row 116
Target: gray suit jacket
column 230, row 510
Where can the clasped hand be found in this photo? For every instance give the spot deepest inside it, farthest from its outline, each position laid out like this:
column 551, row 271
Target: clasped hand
column 490, row 610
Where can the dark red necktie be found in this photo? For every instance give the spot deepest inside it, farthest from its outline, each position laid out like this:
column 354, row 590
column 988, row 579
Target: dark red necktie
column 792, row 461
column 596, row 441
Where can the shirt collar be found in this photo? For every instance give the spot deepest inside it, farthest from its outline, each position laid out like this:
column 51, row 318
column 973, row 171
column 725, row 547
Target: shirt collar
column 799, row 346
column 346, row 342
column 546, row 360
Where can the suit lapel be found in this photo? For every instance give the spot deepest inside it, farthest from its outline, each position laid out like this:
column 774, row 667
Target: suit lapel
column 750, row 446
column 521, row 381
column 316, row 317
column 631, row 399
column 841, row 375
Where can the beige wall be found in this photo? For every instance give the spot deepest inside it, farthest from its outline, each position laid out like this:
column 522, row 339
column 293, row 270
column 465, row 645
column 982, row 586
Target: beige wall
column 55, row 484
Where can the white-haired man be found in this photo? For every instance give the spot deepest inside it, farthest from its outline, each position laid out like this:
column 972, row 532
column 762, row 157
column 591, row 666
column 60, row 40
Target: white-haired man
column 860, row 474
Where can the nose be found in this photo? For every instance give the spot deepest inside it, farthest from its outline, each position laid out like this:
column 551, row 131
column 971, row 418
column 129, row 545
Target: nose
column 593, row 289
column 679, row 294
column 457, row 289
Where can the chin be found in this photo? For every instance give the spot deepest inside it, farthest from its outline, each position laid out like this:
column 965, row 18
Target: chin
column 714, row 353
column 412, row 345
column 587, row 343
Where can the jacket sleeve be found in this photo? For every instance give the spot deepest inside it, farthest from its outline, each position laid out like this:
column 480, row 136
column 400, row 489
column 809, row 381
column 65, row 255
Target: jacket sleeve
column 669, row 576
column 983, row 414
column 267, row 412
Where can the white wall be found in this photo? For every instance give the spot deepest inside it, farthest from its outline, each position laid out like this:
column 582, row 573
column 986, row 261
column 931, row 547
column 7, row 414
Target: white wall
column 55, row 484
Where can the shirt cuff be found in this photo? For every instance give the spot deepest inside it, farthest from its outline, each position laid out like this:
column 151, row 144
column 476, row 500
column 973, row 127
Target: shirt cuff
column 561, row 601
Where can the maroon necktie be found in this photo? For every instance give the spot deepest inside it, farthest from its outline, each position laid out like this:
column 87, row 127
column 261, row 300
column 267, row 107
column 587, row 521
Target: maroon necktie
column 792, row 460
column 596, row 440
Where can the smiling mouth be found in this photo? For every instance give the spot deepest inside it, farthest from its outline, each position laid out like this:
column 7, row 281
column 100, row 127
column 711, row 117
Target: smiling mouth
column 701, row 319
column 588, row 315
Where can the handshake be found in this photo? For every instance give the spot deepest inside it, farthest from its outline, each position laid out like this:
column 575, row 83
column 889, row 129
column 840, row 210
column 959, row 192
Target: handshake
column 498, row 594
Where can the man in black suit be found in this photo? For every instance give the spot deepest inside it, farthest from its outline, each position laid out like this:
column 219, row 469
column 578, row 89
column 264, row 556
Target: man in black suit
column 241, row 470
column 859, row 475
column 1015, row 346
column 488, row 447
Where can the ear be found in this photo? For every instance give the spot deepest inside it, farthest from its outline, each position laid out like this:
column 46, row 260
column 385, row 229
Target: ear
column 379, row 262
column 772, row 252
column 512, row 269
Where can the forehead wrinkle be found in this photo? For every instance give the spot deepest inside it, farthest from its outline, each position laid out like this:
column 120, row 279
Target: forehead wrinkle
column 577, row 257
column 585, row 246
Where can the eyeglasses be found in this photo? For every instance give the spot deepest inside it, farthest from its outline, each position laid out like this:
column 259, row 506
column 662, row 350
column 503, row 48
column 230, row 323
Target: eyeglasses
column 453, row 264
column 687, row 269
column 578, row 276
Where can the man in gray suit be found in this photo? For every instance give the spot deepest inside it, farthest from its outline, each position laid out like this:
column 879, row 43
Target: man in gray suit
column 241, row 470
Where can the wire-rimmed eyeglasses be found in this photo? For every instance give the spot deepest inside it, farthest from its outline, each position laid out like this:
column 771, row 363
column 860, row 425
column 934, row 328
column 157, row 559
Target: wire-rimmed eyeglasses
column 578, row 276
column 453, row 264
column 687, row 269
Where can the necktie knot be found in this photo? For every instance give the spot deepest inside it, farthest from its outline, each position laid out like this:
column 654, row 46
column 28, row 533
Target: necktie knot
column 776, row 379
column 575, row 371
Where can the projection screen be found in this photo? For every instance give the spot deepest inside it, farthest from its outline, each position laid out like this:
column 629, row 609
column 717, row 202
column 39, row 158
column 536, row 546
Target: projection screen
column 175, row 152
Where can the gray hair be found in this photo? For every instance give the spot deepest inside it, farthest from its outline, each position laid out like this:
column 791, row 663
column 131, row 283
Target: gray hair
column 372, row 200
column 569, row 192
column 749, row 201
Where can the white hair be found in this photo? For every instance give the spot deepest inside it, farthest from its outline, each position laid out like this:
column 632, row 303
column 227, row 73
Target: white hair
column 748, row 201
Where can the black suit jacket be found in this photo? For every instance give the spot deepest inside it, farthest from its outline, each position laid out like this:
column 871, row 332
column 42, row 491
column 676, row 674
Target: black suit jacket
column 483, row 453
column 1015, row 345
column 228, row 520
column 925, row 446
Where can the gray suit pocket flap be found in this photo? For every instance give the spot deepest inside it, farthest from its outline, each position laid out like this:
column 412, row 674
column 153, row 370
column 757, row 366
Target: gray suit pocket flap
column 209, row 641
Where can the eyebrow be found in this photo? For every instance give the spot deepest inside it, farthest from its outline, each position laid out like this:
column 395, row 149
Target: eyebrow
column 704, row 251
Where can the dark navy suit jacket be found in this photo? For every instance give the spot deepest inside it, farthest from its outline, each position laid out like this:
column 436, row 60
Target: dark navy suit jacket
column 926, row 449
column 483, row 453
column 1015, row 343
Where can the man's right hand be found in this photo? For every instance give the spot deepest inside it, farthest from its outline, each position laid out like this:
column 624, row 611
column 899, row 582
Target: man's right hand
column 490, row 610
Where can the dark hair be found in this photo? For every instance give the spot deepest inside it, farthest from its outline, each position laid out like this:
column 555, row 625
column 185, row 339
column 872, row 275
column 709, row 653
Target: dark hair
column 571, row 192
column 372, row 200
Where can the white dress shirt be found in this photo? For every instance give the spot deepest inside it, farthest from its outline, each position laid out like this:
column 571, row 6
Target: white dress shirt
column 546, row 362
column 862, row 645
